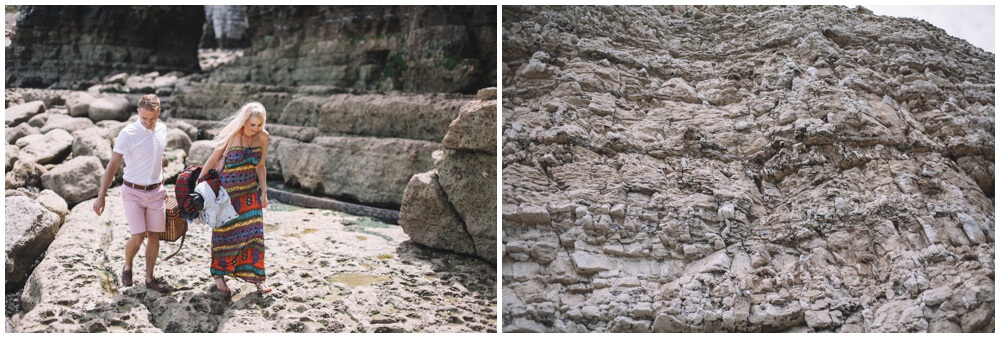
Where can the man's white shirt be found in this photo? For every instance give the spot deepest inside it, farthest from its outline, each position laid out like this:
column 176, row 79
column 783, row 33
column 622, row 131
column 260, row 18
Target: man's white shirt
column 143, row 152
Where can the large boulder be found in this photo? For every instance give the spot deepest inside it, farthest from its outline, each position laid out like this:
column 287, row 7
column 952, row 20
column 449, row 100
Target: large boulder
column 52, row 201
column 140, row 84
column 25, row 173
column 469, row 181
column 11, row 154
column 178, row 139
column 187, row 128
column 199, row 152
column 76, row 180
column 366, row 169
column 38, row 121
column 21, row 130
column 79, row 104
column 29, row 228
column 66, row 122
column 109, row 108
column 475, row 127
column 51, row 147
column 173, row 164
column 14, row 115
column 428, row 218
column 88, row 142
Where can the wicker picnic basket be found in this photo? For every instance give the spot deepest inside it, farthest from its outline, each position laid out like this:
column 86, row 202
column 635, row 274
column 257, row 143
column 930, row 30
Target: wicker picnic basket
column 176, row 227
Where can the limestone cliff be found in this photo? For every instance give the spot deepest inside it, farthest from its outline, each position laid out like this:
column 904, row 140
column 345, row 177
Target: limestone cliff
column 409, row 48
column 77, row 46
column 693, row 168
column 358, row 97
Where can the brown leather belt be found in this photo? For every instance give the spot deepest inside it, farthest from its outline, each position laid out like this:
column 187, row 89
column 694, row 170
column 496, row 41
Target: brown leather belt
column 140, row 187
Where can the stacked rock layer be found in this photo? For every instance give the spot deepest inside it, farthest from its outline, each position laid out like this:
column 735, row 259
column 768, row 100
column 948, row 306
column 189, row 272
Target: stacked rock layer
column 676, row 169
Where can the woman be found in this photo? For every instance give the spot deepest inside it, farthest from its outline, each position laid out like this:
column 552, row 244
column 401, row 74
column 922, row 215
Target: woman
column 238, row 245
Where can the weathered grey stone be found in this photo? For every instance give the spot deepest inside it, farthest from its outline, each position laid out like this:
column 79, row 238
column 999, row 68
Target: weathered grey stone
column 52, row 201
column 201, row 150
column 21, row 130
column 25, row 173
column 14, row 115
column 52, row 147
column 173, row 164
column 469, row 180
column 65, row 122
column 38, row 121
column 587, row 263
column 109, row 108
column 369, row 170
column 88, row 142
column 178, row 139
column 474, row 129
column 11, row 155
column 28, row 229
column 187, row 128
column 429, row 219
column 79, row 104
column 76, row 180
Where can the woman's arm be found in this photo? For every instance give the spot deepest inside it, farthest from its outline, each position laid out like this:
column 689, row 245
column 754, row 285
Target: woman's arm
column 212, row 161
column 262, row 169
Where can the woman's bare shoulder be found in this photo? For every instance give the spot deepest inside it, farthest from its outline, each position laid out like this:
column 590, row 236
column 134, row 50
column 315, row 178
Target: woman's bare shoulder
column 264, row 137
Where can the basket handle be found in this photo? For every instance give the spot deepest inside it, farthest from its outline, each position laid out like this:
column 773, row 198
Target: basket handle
column 178, row 248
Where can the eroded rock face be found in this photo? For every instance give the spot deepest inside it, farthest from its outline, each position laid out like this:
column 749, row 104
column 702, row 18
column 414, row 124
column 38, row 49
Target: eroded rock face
column 453, row 207
column 415, row 49
column 691, row 169
column 76, row 46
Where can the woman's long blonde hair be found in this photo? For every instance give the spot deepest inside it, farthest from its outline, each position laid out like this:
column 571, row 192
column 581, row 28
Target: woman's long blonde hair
column 233, row 124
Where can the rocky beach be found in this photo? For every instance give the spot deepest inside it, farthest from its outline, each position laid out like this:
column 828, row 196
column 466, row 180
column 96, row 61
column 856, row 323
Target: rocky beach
column 332, row 272
column 744, row 169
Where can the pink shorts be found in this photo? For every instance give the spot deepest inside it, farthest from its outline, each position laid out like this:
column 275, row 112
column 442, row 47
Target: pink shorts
column 144, row 209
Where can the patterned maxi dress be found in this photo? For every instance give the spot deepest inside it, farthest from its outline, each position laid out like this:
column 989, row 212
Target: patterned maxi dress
column 238, row 245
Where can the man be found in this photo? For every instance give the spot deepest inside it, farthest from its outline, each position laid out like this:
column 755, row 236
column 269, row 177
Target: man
column 141, row 144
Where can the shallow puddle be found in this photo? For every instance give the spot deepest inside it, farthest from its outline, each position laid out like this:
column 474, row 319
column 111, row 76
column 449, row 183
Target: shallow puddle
column 354, row 280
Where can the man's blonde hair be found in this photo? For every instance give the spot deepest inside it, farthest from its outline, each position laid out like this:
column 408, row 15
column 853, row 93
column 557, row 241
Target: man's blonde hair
column 150, row 102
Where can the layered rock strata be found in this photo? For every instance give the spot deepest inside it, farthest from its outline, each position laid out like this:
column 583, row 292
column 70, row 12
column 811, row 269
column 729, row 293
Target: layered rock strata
column 453, row 207
column 77, row 46
column 681, row 169
column 361, row 148
column 409, row 48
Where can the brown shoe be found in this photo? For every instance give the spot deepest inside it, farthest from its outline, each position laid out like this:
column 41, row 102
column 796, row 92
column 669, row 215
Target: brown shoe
column 127, row 277
column 158, row 286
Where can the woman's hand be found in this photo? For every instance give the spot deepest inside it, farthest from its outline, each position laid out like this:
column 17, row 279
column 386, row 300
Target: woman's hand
column 263, row 201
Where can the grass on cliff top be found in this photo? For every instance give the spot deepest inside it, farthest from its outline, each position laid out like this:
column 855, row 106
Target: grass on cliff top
column 10, row 8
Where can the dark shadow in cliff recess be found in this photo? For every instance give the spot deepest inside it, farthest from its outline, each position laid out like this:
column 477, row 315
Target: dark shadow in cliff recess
column 76, row 46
